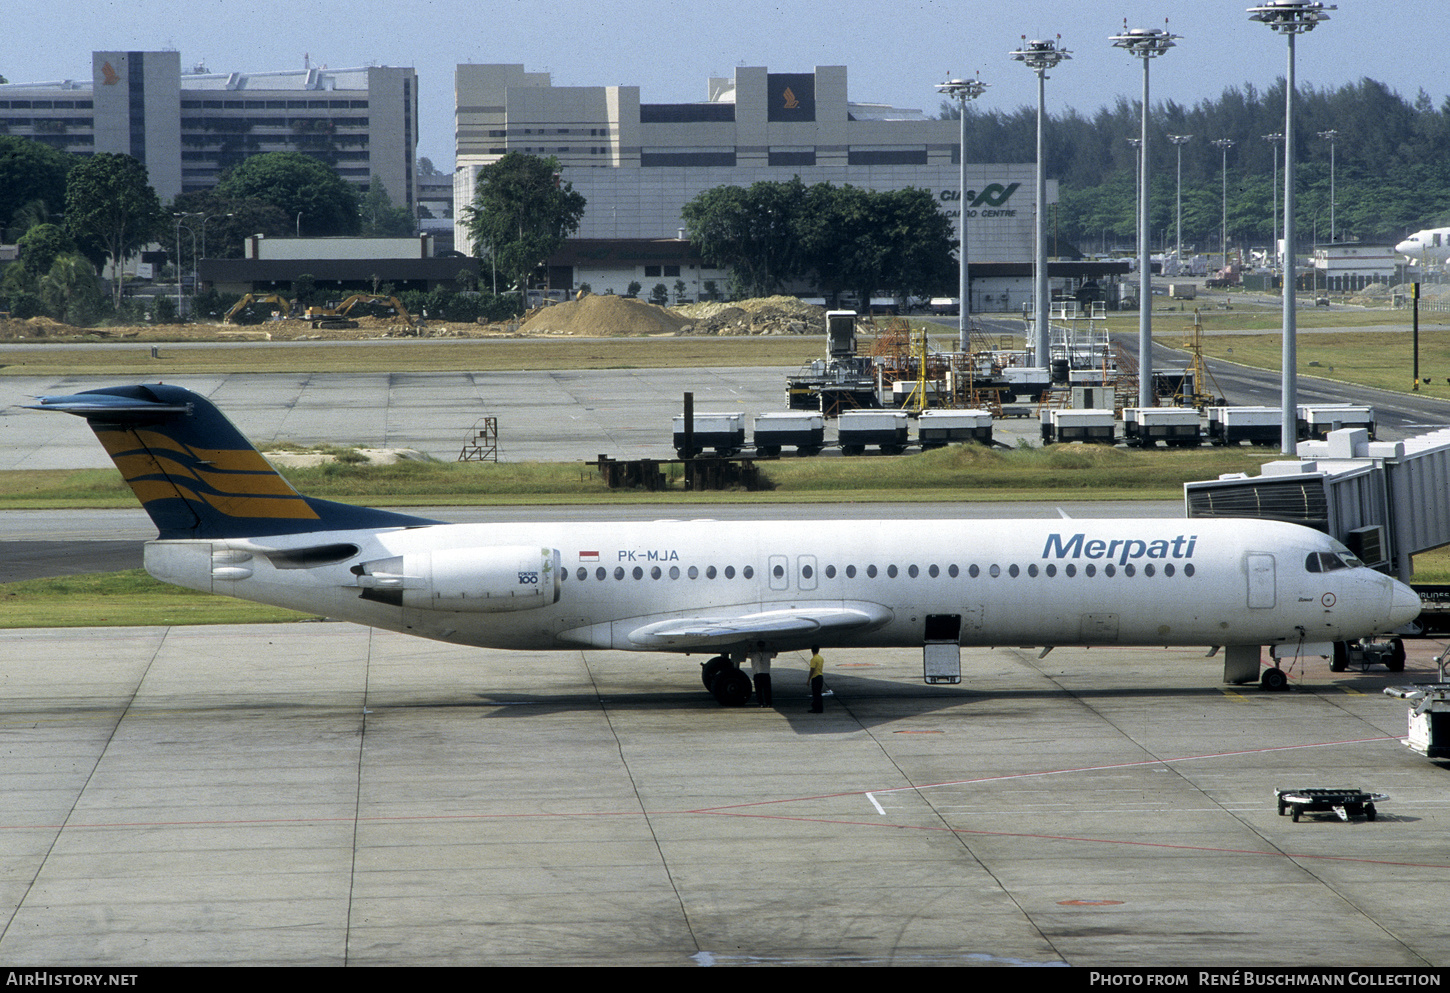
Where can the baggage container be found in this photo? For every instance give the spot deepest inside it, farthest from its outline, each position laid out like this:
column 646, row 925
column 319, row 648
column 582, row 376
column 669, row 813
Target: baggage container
column 888, row 429
column 724, row 432
column 806, row 432
column 935, row 428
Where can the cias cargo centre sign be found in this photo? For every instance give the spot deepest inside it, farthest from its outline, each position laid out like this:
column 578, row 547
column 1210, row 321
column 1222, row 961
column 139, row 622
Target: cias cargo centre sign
column 991, row 201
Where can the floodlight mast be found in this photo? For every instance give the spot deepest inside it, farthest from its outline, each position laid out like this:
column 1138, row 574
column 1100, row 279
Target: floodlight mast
column 1331, row 136
column 1290, row 18
column 1276, row 140
column 1041, row 57
column 1179, row 140
column 1224, row 144
column 962, row 90
column 1146, row 44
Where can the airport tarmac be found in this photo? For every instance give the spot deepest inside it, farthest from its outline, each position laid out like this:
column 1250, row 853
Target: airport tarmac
column 553, row 416
column 323, row 794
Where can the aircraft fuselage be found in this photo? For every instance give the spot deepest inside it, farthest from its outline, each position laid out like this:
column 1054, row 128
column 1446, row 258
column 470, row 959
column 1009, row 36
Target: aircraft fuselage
column 691, row 586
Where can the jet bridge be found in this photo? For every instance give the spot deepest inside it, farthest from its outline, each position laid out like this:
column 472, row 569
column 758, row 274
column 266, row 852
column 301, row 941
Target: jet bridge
column 1387, row 501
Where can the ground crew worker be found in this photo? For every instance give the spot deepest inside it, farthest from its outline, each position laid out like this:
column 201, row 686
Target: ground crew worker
column 817, row 679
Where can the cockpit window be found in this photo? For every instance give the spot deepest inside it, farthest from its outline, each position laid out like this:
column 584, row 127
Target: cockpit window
column 1331, row 561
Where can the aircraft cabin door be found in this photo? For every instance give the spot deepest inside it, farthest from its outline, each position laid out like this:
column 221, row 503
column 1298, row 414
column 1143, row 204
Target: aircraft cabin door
column 779, row 566
column 1260, row 568
column 941, row 659
column 806, row 572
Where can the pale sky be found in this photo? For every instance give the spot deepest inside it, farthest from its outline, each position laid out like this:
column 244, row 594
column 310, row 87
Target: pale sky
column 895, row 52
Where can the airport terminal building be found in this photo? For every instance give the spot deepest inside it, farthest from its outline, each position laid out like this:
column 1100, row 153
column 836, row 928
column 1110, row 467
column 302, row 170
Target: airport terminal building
column 637, row 164
column 189, row 125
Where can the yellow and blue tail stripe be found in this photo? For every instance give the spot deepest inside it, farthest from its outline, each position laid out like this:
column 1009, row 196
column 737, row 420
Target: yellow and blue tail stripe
column 196, row 475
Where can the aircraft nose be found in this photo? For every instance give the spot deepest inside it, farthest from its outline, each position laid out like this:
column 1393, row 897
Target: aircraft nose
column 1404, row 604
column 1406, row 248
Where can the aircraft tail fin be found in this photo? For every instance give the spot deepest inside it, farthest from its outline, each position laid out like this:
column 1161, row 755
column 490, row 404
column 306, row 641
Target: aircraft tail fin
column 197, row 475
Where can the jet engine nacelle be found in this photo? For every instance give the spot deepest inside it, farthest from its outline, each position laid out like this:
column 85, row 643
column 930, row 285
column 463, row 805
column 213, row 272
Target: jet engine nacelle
column 492, row 579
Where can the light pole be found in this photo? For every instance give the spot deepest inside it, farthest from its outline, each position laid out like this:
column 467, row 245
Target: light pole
column 1331, row 137
column 1041, row 57
column 963, row 90
column 1146, row 44
column 1137, row 146
column 179, row 219
column 1224, row 144
column 195, row 270
column 1290, row 18
column 1276, row 140
column 1179, row 140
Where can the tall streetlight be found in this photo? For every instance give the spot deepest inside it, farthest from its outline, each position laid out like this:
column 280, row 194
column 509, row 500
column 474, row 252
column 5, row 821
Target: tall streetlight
column 1179, row 140
column 1146, row 44
column 1137, row 145
column 1224, row 144
column 179, row 225
column 962, row 90
column 1276, row 140
column 195, row 266
column 1331, row 137
column 1041, row 57
column 1290, row 18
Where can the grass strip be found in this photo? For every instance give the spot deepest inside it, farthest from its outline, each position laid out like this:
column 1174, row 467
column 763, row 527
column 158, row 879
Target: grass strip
column 128, row 598
column 956, row 473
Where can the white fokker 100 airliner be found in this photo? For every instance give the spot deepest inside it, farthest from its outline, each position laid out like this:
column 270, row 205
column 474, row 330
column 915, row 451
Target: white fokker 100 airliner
column 735, row 591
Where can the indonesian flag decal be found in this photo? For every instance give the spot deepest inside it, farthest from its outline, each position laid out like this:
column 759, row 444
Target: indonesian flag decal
column 588, row 556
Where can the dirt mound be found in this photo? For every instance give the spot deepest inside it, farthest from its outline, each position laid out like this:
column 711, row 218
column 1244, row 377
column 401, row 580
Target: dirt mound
column 765, row 315
column 603, row 315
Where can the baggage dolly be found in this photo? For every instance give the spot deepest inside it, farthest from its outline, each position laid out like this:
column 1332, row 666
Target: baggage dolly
column 1314, row 799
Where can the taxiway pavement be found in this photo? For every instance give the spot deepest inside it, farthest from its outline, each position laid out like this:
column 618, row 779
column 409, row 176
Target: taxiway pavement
column 323, row 794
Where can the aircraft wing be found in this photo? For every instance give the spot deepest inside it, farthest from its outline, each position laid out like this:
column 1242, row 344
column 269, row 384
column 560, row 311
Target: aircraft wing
column 792, row 623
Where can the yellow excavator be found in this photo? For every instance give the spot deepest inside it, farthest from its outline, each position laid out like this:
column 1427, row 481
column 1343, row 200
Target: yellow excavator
column 333, row 318
column 240, row 314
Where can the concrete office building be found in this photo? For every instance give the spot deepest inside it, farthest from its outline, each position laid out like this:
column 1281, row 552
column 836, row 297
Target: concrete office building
column 188, row 126
column 638, row 164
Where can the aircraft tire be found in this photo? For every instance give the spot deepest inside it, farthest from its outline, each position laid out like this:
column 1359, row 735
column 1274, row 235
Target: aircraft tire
column 1395, row 662
column 732, row 688
column 1273, row 679
column 709, row 670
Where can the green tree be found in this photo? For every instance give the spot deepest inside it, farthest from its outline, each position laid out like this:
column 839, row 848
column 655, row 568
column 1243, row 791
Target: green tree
column 111, row 209
column 380, row 219
column 849, row 238
column 70, row 291
column 313, row 197
column 30, row 172
column 223, row 224
column 42, row 245
column 522, row 213
column 754, row 230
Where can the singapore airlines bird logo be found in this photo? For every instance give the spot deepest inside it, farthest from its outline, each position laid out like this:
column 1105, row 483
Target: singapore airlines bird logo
column 791, row 103
column 108, row 75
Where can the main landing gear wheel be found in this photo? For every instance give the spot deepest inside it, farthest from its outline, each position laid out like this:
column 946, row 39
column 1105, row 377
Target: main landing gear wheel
column 732, row 688
column 709, row 670
column 1339, row 661
column 1273, row 679
column 1395, row 661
